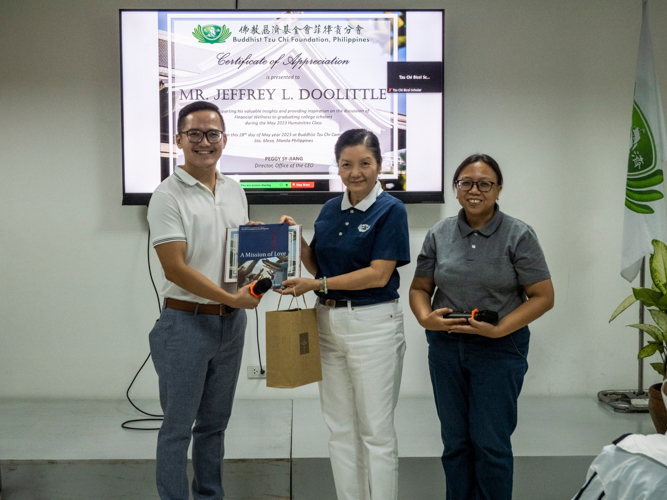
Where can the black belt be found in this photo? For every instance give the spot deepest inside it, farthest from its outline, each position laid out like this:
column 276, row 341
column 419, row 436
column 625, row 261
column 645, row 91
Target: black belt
column 182, row 305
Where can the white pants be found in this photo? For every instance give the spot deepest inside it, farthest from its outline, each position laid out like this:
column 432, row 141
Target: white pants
column 362, row 352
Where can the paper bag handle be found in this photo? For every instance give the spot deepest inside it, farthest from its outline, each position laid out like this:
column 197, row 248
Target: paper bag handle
column 303, row 297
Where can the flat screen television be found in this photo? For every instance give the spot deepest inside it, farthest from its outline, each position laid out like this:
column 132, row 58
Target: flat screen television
column 287, row 83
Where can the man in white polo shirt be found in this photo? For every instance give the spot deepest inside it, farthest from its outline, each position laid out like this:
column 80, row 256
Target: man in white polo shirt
column 197, row 343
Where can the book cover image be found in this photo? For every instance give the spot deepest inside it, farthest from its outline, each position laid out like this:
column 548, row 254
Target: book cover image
column 263, row 253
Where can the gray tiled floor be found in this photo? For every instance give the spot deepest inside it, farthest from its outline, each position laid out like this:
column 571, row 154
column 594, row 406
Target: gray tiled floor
column 555, row 441
column 76, row 450
column 90, row 430
column 58, row 449
column 566, row 426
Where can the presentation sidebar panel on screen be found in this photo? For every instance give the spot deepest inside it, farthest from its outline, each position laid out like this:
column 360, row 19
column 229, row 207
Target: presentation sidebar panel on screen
column 426, row 35
column 287, row 85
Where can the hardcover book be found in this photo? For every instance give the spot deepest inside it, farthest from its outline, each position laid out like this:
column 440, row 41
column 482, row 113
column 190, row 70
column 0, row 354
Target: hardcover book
column 262, row 251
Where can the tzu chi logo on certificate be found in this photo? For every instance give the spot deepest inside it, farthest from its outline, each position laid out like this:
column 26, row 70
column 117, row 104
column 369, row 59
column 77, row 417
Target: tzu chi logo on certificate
column 211, row 33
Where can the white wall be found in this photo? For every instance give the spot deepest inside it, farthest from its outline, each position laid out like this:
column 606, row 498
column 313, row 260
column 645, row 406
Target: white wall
column 543, row 86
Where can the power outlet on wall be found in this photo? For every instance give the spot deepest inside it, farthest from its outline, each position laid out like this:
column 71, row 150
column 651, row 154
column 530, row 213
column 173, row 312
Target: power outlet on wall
column 255, row 372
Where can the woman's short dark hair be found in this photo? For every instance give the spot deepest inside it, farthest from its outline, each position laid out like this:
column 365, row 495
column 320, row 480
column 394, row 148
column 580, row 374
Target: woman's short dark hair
column 358, row 137
column 474, row 159
column 193, row 108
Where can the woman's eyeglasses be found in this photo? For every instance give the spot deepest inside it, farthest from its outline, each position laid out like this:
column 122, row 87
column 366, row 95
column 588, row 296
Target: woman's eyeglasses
column 483, row 186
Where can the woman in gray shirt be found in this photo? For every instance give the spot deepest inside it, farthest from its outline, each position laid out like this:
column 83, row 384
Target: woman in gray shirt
column 481, row 259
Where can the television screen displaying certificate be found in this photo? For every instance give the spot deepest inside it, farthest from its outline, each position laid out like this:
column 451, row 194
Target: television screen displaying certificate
column 287, row 84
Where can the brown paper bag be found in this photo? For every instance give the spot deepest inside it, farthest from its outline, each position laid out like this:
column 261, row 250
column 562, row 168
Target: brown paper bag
column 292, row 347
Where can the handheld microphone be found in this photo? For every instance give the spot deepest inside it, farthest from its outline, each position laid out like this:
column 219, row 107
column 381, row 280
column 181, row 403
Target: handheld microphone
column 477, row 315
column 259, row 288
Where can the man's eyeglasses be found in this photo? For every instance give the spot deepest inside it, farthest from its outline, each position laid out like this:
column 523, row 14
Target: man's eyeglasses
column 483, row 186
column 195, row 136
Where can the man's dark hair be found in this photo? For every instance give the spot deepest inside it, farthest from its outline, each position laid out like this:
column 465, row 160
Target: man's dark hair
column 193, row 108
column 474, row 159
column 357, row 137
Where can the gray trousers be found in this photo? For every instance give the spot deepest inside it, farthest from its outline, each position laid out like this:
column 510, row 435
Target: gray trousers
column 197, row 358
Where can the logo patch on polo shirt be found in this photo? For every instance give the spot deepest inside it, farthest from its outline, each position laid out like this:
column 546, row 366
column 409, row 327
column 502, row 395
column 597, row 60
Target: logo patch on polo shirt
column 363, row 228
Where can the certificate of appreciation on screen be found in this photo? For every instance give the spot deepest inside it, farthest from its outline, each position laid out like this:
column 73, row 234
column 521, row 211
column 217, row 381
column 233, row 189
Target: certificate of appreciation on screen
column 287, row 84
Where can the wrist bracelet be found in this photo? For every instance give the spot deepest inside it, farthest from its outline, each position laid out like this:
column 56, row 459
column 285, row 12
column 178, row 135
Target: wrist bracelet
column 321, row 285
column 325, row 284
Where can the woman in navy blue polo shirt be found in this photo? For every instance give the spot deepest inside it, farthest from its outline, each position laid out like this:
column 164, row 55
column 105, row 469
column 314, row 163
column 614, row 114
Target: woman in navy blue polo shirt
column 481, row 259
column 360, row 239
